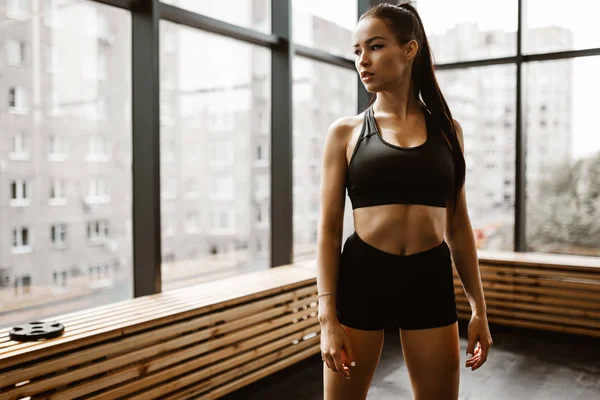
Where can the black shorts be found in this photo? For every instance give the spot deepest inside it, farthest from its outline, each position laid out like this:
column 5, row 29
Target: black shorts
column 376, row 288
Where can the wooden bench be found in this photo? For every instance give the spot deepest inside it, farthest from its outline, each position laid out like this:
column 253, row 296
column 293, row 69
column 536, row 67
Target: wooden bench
column 210, row 339
column 202, row 341
column 534, row 291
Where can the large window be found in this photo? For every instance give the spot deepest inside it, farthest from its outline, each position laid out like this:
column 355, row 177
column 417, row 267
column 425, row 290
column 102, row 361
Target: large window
column 321, row 95
column 553, row 25
column 325, row 25
column 254, row 14
column 482, row 100
column 563, row 156
column 66, row 236
column 215, row 167
column 462, row 30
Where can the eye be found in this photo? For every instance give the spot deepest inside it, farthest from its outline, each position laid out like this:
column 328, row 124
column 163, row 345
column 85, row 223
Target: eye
column 356, row 52
column 376, row 46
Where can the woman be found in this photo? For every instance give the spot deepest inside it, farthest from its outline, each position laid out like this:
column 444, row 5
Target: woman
column 403, row 166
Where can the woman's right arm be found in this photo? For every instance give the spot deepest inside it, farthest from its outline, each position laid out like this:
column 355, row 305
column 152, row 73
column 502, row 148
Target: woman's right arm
column 332, row 200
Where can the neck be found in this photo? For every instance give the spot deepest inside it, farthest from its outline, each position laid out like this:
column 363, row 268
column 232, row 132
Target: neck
column 399, row 102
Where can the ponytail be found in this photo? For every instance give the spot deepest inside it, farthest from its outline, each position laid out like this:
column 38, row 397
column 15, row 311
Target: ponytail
column 405, row 22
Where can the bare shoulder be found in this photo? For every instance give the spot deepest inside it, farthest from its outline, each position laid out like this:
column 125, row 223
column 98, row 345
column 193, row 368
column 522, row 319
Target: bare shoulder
column 343, row 133
column 342, row 128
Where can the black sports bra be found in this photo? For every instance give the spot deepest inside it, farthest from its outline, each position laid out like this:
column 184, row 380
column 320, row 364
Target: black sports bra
column 382, row 173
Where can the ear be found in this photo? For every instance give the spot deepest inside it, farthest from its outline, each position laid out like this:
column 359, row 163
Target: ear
column 411, row 48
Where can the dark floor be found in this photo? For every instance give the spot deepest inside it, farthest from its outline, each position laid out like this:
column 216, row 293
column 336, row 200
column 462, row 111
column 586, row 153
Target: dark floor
column 523, row 364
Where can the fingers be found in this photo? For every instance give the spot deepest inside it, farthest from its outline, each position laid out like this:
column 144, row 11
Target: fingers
column 480, row 354
column 471, row 345
column 333, row 360
column 484, row 350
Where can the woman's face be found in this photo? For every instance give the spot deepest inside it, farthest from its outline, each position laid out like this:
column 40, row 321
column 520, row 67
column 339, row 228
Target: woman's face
column 381, row 61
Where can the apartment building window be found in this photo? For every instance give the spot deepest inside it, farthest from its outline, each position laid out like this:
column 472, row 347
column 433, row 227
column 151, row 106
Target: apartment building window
column 58, row 234
column 53, row 103
column 15, row 52
column 262, row 185
column 17, row 101
column 97, row 192
column 223, row 220
column 97, row 24
column 97, row 149
column 18, row 148
column 23, row 285
column 102, row 61
column 20, row 240
column 259, row 216
column 191, row 188
column 97, row 231
column 57, row 149
column 191, row 222
column 60, row 278
column 58, row 194
column 19, row 196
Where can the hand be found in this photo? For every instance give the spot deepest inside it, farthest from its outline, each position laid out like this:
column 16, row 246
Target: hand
column 335, row 349
column 478, row 333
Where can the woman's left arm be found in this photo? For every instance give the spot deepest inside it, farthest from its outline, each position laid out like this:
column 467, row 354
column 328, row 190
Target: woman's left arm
column 461, row 240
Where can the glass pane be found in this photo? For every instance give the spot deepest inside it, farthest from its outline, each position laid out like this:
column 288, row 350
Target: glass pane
column 39, row 279
column 553, row 25
column 214, row 114
column 325, row 25
column 253, row 14
column 563, row 156
column 483, row 101
column 463, row 30
column 322, row 94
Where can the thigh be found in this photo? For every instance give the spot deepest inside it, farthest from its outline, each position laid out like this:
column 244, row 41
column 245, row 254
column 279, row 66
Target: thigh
column 433, row 360
column 367, row 347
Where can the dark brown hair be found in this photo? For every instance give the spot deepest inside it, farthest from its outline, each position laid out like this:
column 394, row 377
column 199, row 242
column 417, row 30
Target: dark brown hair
column 404, row 21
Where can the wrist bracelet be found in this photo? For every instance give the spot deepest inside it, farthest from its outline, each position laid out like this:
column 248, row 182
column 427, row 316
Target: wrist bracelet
column 326, row 294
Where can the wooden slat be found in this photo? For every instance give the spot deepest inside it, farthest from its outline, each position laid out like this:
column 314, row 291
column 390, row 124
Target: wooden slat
column 510, row 270
column 266, row 362
column 144, row 372
column 557, row 292
column 538, row 317
column 541, row 281
column 69, row 342
column 259, row 283
column 170, row 335
column 301, row 309
column 537, row 325
column 590, row 305
column 555, row 261
column 586, row 314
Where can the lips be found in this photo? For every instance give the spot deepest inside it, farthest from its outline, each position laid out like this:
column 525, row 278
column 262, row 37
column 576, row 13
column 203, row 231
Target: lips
column 365, row 74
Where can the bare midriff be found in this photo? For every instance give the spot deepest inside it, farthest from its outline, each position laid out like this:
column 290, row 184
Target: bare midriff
column 401, row 229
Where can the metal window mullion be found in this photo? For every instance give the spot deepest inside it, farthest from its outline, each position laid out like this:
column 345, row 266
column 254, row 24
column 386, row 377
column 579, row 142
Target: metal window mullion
column 145, row 147
column 520, row 244
column 282, row 245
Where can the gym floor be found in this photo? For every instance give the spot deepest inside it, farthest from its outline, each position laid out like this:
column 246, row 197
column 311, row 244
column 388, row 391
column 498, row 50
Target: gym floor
column 523, row 364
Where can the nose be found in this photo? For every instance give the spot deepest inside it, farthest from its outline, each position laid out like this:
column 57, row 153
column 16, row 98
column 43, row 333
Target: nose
column 363, row 61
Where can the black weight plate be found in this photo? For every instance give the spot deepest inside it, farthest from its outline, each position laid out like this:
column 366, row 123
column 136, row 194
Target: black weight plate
column 36, row 330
